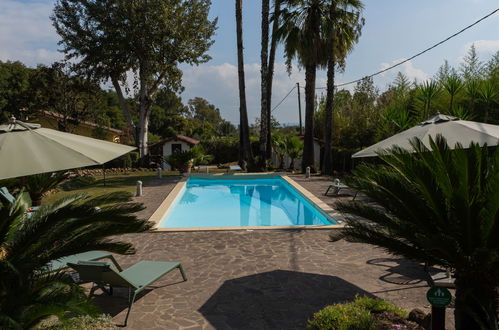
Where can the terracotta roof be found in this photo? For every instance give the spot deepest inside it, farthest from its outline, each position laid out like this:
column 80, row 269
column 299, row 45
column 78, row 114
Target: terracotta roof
column 88, row 123
column 178, row 137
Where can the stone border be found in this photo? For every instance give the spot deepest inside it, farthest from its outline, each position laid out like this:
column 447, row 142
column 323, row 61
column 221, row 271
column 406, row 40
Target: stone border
column 165, row 206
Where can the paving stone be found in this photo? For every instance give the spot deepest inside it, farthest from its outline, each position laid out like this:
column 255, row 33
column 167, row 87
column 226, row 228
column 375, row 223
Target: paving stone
column 260, row 279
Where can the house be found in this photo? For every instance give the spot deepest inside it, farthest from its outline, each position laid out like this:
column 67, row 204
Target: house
column 297, row 164
column 54, row 120
column 168, row 146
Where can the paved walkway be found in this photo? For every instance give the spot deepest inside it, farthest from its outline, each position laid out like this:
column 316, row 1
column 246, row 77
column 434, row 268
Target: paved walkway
column 259, row 279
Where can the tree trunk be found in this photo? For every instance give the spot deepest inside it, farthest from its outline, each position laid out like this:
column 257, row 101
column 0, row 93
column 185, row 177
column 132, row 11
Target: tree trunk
column 327, row 164
column 245, row 154
column 145, row 101
column 476, row 300
column 327, row 167
column 264, row 120
column 124, row 107
column 308, row 141
column 273, row 47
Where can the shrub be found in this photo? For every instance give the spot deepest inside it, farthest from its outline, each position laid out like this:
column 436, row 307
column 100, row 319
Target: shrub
column 102, row 322
column 358, row 314
column 342, row 317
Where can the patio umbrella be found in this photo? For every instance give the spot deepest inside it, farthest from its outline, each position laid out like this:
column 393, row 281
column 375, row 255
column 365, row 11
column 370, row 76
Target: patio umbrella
column 451, row 128
column 27, row 149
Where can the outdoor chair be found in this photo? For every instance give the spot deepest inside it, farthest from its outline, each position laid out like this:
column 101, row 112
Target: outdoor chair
column 62, row 263
column 9, row 198
column 234, row 168
column 136, row 278
column 337, row 186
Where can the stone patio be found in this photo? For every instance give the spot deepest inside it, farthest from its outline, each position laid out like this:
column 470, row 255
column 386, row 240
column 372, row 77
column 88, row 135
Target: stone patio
column 262, row 279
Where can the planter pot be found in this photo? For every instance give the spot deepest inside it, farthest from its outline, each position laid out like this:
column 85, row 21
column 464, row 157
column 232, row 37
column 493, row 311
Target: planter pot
column 186, row 168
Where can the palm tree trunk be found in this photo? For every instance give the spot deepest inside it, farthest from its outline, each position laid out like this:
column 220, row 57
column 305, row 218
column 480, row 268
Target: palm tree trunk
column 327, row 167
column 270, row 73
column 264, row 122
column 308, row 141
column 245, row 156
column 476, row 300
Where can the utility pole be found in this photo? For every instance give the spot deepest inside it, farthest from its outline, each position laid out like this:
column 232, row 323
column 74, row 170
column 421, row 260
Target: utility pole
column 299, row 107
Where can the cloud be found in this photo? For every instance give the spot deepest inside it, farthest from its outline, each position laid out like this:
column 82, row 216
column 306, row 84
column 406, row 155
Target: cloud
column 26, row 32
column 219, row 84
column 483, row 47
column 407, row 69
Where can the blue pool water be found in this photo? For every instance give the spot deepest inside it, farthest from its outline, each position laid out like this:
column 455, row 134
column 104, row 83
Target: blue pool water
column 241, row 203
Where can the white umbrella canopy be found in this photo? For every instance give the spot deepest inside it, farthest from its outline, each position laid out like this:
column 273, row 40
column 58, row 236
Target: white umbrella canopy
column 451, row 128
column 27, row 149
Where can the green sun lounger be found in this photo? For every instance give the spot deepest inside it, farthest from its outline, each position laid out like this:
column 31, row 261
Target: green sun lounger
column 9, row 198
column 136, row 278
column 60, row 264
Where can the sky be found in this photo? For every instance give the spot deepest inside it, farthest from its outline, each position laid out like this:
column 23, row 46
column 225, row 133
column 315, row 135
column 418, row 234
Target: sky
column 394, row 30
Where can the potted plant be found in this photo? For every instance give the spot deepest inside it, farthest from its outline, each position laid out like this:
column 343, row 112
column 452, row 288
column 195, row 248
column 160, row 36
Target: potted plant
column 181, row 161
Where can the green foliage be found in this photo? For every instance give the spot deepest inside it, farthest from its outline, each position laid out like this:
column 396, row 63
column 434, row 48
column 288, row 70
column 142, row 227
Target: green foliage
column 102, row 322
column 353, row 315
column 179, row 160
column 200, row 157
column 74, row 224
column 439, row 206
column 14, row 85
column 294, row 149
column 223, row 150
column 39, row 184
column 78, row 182
column 165, row 34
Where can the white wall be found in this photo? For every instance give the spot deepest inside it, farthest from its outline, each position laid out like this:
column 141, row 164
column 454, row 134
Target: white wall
column 167, row 150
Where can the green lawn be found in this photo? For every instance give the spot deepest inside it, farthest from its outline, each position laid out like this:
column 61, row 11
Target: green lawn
column 113, row 183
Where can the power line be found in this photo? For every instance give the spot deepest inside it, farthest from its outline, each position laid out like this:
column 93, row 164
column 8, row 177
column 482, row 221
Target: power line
column 278, row 104
column 418, row 54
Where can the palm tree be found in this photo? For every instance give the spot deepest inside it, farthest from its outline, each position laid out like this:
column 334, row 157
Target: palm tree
column 453, row 85
column 294, row 149
column 428, row 91
column 71, row 225
column 270, row 73
column 300, row 31
column 245, row 154
column 279, row 147
column 264, row 70
column 489, row 95
column 439, row 206
column 343, row 29
column 473, row 93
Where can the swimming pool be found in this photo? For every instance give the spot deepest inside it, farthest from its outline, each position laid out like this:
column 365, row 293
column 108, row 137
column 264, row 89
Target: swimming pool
column 208, row 202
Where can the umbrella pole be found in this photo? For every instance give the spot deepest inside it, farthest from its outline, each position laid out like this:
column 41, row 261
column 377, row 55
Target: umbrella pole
column 104, row 173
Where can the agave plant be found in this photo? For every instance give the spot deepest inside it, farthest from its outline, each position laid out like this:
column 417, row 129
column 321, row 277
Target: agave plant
column 439, row 206
column 74, row 224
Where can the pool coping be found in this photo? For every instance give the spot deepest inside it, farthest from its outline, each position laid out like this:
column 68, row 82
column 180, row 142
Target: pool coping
column 164, row 207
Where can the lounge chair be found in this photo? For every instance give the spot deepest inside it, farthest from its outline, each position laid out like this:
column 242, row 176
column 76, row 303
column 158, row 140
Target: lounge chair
column 62, row 263
column 234, row 168
column 337, row 186
column 136, row 278
column 9, row 198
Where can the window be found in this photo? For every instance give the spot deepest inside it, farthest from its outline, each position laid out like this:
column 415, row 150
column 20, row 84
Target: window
column 176, row 147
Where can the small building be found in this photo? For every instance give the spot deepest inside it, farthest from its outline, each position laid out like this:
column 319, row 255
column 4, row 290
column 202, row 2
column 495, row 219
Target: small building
column 168, row 146
column 297, row 163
